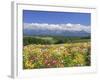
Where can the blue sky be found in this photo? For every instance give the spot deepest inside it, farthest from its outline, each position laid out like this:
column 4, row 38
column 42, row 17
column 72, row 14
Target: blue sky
column 49, row 17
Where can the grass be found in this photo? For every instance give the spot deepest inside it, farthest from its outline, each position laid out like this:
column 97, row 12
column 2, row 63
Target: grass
column 53, row 40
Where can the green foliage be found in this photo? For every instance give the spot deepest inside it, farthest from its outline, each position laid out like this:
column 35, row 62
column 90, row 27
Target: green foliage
column 53, row 39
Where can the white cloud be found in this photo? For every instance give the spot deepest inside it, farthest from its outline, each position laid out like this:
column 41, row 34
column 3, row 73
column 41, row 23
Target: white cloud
column 65, row 27
column 69, row 24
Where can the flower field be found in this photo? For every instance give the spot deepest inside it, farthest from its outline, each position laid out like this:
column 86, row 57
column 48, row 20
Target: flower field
column 56, row 55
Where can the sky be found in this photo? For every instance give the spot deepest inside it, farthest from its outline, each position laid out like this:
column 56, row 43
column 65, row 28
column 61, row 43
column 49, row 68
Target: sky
column 49, row 17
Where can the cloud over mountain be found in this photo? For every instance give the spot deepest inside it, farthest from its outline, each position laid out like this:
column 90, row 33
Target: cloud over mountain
column 45, row 28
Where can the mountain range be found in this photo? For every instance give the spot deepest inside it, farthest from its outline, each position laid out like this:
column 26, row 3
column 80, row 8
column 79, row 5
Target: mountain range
column 30, row 29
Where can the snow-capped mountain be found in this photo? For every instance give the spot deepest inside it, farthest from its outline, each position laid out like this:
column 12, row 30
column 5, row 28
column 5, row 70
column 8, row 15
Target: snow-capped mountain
column 56, row 29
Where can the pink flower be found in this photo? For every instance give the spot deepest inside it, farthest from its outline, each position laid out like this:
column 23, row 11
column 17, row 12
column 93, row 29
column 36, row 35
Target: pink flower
column 54, row 61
